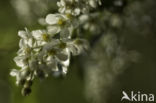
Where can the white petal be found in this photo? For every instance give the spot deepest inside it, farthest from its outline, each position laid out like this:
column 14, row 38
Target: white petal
column 14, row 72
column 20, row 61
column 22, row 43
column 62, row 10
column 73, row 49
column 53, row 29
column 37, row 34
column 21, row 52
column 92, row 3
column 42, row 21
column 52, row 19
column 22, row 34
column 41, row 43
column 30, row 42
column 77, row 11
column 83, row 18
column 64, row 70
column 62, row 2
column 58, row 4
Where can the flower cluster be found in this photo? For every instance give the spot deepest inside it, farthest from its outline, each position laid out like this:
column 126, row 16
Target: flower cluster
column 48, row 51
column 75, row 7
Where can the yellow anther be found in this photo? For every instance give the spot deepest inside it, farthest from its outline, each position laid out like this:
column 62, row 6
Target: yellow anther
column 78, row 42
column 61, row 22
column 62, row 45
column 27, row 50
column 45, row 37
column 68, row 15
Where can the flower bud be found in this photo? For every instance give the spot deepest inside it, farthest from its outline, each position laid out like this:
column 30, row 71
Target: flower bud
column 26, row 91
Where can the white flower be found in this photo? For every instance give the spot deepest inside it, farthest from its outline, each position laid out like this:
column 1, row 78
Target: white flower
column 26, row 38
column 55, row 19
column 77, row 46
column 24, row 50
column 41, row 37
column 59, row 23
column 66, row 6
column 23, row 34
column 75, row 7
column 56, row 51
column 53, row 29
